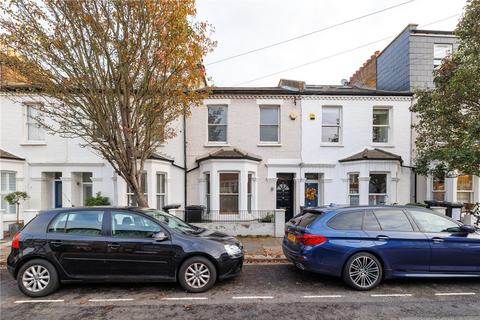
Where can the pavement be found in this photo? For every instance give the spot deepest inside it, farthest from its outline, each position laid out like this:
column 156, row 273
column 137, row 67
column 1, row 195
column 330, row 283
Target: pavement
column 275, row 291
column 257, row 250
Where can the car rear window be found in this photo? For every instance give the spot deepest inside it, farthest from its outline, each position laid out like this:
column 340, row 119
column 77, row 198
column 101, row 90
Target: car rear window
column 347, row 221
column 306, row 219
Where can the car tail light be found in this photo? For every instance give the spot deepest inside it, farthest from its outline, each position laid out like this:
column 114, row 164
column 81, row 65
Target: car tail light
column 15, row 241
column 311, row 239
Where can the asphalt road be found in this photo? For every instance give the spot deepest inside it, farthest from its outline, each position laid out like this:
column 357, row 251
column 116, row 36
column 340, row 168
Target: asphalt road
column 261, row 292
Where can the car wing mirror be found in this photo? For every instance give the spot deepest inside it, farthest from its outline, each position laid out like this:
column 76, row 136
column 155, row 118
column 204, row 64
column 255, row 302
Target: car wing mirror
column 160, row 236
column 466, row 228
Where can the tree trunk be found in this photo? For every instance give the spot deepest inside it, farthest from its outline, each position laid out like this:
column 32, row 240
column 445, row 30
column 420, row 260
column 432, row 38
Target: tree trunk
column 141, row 200
column 135, row 184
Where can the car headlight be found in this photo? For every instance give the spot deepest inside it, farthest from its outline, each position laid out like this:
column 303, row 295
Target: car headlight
column 232, row 249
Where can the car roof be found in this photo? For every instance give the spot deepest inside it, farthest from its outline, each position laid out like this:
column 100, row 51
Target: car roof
column 131, row 208
column 341, row 208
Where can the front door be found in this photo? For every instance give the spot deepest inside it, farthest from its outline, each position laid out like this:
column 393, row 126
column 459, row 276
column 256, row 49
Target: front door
column 78, row 242
column 285, row 194
column 57, row 192
column 132, row 251
column 311, row 194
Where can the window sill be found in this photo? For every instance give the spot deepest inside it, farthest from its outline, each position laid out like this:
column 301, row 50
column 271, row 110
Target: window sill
column 383, row 145
column 216, row 145
column 266, row 144
column 338, row 145
column 34, row 143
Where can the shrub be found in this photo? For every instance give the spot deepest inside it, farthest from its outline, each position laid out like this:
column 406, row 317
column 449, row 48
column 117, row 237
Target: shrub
column 98, row 200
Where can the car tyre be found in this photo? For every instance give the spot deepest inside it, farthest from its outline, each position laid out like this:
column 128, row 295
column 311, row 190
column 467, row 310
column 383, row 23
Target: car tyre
column 197, row 274
column 363, row 271
column 37, row 278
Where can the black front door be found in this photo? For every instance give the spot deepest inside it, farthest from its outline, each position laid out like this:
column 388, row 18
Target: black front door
column 132, row 251
column 285, row 194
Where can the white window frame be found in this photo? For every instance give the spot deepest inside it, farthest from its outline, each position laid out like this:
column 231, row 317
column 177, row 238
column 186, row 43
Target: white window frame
column 471, row 192
column 208, row 191
column 32, row 122
column 9, row 208
column 220, row 194
column 437, row 61
column 379, row 194
column 388, row 126
column 83, row 184
column 145, row 192
column 268, row 106
column 329, row 125
column 222, row 142
column 159, row 194
column 250, row 181
column 350, row 193
column 438, row 191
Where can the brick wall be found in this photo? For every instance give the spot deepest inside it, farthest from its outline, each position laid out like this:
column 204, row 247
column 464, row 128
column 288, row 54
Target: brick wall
column 366, row 76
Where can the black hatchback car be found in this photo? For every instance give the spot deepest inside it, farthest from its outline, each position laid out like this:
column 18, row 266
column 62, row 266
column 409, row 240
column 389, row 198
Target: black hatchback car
column 119, row 244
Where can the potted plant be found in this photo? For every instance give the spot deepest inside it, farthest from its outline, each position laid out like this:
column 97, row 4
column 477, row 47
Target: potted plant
column 15, row 198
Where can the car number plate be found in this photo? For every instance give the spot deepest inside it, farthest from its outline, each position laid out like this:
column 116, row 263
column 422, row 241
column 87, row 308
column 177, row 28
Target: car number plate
column 291, row 237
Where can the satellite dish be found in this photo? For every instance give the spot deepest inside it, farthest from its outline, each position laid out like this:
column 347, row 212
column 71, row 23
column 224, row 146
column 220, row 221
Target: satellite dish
column 344, row 82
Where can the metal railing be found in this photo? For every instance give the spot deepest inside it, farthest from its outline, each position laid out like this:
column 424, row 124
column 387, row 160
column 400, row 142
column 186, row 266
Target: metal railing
column 241, row 216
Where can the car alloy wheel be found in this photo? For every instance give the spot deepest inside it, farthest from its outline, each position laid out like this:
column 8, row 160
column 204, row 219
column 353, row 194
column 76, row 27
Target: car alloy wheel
column 364, row 272
column 197, row 275
column 36, row 278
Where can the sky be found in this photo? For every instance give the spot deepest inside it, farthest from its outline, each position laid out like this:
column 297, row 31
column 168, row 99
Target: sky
column 244, row 25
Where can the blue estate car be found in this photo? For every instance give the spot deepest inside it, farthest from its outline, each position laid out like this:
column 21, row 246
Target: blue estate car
column 364, row 245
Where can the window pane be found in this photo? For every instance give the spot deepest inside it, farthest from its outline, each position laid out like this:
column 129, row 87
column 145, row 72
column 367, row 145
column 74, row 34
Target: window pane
column 370, row 222
column 269, row 133
column 378, row 183
column 330, row 134
column 87, row 223
column 131, row 225
column 228, row 203
column 431, row 222
column 464, row 197
column 331, row 115
column 347, row 221
column 353, row 184
column 228, row 183
column 354, row 200
column 438, row 183
column 380, row 117
column 217, row 133
column 160, row 183
column 439, row 196
column 393, row 220
column 160, row 201
column 58, row 224
column 217, row 115
column 440, row 51
column 380, row 134
column 465, row 183
column 86, row 177
column 249, row 183
column 87, row 192
column 269, row 115
column 377, row 200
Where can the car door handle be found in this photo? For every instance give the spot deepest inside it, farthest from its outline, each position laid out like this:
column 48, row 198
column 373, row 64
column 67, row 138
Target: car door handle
column 382, row 238
column 114, row 245
column 437, row 240
column 56, row 243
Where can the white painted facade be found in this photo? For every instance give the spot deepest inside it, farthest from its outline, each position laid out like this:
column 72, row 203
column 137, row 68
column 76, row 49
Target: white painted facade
column 355, row 136
column 54, row 160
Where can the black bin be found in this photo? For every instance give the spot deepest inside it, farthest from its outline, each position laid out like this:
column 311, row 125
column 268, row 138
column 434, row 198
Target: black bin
column 194, row 213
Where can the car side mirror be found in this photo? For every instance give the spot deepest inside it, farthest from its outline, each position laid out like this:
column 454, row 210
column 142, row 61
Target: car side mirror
column 160, row 236
column 466, row 228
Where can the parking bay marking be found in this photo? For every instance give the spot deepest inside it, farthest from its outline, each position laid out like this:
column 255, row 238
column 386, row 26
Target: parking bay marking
column 185, row 298
column 252, row 297
column 38, row 301
column 111, row 300
column 324, row 296
column 392, row 295
column 455, row 294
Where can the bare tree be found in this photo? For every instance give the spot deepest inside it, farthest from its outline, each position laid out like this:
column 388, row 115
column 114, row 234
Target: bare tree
column 115, row 73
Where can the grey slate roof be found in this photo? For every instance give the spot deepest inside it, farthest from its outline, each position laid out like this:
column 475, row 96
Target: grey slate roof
column 7, row 155
column 230, row 153
column 373, row 154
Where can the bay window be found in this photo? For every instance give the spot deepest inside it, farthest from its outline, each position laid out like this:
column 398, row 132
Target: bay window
column 161, row 190
column 229, row 186
column 353, row 189
column 438, row 188
column 377, row 190
column 131, row 199
column 8, row 184
column 465, row 189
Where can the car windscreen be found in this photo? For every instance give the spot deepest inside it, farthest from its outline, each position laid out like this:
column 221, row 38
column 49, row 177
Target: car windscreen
column 171, row 221
column 306, row 218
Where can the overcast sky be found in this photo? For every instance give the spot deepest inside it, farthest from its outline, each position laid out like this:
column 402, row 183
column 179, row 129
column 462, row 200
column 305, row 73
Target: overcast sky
column 243, row 25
